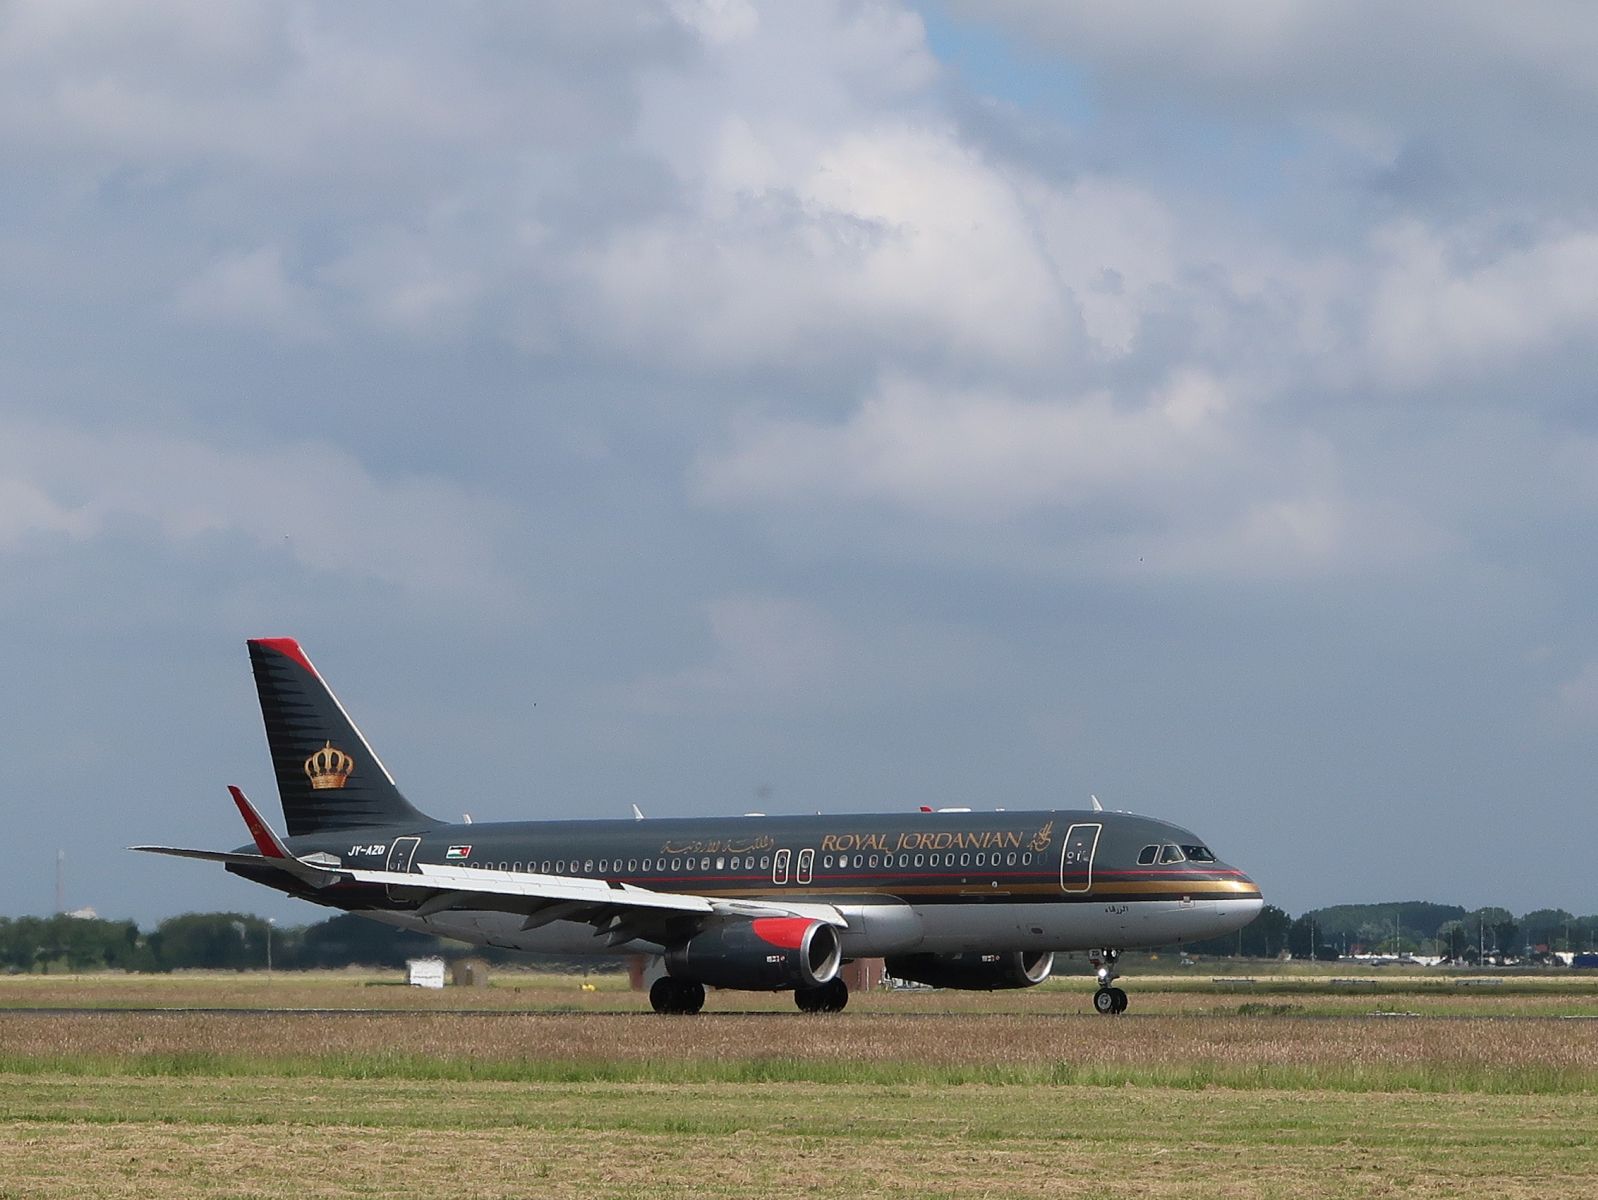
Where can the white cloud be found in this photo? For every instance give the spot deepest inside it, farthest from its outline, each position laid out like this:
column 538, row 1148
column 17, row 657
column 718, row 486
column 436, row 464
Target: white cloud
column 983, row 456
column 1576, row 699
column 251, row 289
column 27, row 511
column 764, row 650
column 309, row 500
column 1449, row 305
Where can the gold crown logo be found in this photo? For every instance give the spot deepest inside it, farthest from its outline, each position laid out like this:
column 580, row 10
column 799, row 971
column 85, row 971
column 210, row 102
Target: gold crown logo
column 329, row 767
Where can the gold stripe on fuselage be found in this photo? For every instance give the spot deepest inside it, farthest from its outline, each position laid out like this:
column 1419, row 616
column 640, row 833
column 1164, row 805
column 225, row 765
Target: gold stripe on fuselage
column 1207, row 889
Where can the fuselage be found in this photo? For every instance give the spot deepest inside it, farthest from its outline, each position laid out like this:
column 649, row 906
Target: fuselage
column 938, row 882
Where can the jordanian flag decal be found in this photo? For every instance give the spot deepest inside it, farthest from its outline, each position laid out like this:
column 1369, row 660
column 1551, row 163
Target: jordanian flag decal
column 458, row 852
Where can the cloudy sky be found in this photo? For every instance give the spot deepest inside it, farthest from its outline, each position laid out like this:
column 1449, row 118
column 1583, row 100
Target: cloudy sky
column 839, row 406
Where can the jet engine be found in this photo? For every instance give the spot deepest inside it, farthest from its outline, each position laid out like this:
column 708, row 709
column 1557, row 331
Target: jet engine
column 766, row 954
column 973, row 972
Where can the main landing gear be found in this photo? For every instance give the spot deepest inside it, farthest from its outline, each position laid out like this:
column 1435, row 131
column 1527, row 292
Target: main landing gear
column 668, row 995
column 1108, row 1000
column 829, row 997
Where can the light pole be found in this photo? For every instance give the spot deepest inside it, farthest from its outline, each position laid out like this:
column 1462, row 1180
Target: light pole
column 270, row 921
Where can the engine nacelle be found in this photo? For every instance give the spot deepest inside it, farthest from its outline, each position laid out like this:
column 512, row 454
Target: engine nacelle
column 973, row 972
column 767, row 954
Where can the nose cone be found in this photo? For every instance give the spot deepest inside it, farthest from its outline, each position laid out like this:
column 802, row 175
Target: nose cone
column 1243, row 904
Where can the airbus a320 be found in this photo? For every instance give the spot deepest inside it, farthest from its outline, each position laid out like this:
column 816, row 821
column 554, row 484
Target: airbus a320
column 953, row 898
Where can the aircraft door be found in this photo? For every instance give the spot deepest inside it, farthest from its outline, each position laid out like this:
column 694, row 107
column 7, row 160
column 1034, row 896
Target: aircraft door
column 1076, row 857
column 400, row 853
column 779, row 867
column 807, row 859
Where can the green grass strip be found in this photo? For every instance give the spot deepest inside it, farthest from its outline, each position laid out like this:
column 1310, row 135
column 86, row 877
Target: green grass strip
column 1484, row 1079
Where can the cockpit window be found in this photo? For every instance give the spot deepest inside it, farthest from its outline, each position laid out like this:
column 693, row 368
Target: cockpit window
column 1198, row 853
column 1147, row 855
column 1171, row 854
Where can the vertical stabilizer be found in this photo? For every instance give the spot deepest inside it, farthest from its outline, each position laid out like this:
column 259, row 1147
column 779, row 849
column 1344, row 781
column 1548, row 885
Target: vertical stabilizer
column 327, row 775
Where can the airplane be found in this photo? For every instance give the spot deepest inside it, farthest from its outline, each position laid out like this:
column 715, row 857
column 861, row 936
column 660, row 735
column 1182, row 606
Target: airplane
column 951, row 898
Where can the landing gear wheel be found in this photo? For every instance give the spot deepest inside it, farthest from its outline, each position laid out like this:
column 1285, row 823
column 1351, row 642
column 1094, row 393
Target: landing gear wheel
column 827, row 997
column 663, row 995
column 835, row 995
column 668, row 995
column 1108, row 1000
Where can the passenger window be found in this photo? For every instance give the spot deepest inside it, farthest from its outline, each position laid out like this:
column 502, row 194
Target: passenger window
column 965, row 860
column 981, row 858
column 1171, row 854
column 676, row 864
column 765, row 861
column 1026, row 860
column 918, row 860
column 721, row 864
column 1148, row 855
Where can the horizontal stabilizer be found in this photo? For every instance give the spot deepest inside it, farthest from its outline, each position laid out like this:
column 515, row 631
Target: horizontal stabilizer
column 221, row 856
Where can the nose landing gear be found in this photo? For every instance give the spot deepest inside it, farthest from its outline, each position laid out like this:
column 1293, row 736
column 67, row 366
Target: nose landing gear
column 1108, row 1000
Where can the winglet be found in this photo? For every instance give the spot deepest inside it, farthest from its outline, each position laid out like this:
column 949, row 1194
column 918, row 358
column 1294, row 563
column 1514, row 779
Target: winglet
column 267, row 842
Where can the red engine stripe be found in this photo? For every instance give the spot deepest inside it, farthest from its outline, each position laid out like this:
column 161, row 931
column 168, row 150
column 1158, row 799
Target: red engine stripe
column 786, row 933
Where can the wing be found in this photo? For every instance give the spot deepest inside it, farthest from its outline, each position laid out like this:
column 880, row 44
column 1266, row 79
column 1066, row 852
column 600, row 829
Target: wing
column 620, row 912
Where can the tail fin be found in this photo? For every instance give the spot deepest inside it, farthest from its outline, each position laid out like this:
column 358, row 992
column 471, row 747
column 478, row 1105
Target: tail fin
column 328, row 777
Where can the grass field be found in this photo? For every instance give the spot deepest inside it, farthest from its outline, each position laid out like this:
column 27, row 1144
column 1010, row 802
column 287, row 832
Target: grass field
column 926, row 1094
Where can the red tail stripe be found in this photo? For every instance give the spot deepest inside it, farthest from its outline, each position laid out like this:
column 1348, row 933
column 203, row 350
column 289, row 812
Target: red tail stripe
column 287, row 647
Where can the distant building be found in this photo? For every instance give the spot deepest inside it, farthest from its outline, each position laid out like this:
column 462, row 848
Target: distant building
column 425, row 972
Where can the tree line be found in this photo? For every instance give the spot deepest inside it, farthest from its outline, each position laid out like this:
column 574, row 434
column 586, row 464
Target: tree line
column 1411, row 927
column 240, row 941
column 215, row 941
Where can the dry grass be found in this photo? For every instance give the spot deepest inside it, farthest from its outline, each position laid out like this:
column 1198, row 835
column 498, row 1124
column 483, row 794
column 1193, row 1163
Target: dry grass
column 318, row 1138
column 925, row 1095
column 1187, row 1051
column 1554, row 994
